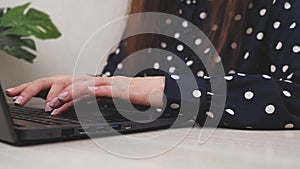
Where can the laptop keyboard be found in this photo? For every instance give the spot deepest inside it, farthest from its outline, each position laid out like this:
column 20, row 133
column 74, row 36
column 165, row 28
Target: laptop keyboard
column 69, row 118
column 40, row 116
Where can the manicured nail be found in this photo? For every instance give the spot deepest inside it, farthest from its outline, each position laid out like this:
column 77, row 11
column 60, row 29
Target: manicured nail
column 54, row 113
column 63, row 95
column 48, row 108
column 10, row 89
column 19, row 100
column 53, row 102
column 92, row 89
column 14, row 98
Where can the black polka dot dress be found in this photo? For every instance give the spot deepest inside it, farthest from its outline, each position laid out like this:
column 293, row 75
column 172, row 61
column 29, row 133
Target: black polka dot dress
column 263, row 86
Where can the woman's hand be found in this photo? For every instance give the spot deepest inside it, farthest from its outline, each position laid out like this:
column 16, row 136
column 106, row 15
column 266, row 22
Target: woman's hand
column 145, row 91
column 23, row 93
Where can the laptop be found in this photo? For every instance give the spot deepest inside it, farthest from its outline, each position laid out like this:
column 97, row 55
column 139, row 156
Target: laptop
column 26, row 125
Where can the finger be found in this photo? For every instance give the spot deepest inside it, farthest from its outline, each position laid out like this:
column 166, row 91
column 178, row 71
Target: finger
column 78, row 88
column 52, row 99
column 67, row 105
column 12, row 92
column 55, row 90
column 63, row 108
column 67, row 95
column 31, row 90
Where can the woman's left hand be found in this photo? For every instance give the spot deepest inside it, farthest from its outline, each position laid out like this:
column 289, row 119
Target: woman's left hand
column 139, row 90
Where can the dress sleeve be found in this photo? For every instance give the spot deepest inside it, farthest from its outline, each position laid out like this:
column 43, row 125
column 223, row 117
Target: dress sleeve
column 262, row 99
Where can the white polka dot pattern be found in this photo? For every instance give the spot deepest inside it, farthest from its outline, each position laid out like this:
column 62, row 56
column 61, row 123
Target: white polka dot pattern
column 279, row 45
column 287, row 93
column 289, row 126
column 175, row 106
column 296, row 49
column 230, row 111
column 249, row 31
column 276, row 25
column 169, row 58
column 175, row 77
column 200, row 73
column 210, row 114
column 293, row 25
column 260, row 36
column 228, row 78
column 287, row 5
column 177, row 35
column 262, row 12
column 180, row 48
column 261, row 83
column 172, row 69
column 185, row 24
column 197, row 93
column 198, row 42
column 120, row 66
column 203, row 15
column 156, row 65
column 270, row 109
column 246, row 56
column 249, row 95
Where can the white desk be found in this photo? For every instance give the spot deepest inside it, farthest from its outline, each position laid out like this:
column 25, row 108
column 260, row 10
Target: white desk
column 227, row 149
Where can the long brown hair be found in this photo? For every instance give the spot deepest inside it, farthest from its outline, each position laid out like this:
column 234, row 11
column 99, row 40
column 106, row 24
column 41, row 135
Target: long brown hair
column 221, row 13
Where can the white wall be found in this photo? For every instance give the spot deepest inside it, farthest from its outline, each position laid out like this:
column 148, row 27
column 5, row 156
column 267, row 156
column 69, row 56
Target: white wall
column 77, row 20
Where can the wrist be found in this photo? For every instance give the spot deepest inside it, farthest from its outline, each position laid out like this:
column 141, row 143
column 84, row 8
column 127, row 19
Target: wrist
column 148, row 90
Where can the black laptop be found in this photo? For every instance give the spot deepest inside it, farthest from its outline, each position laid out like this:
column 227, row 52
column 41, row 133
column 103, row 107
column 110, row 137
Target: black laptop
column 26, row 126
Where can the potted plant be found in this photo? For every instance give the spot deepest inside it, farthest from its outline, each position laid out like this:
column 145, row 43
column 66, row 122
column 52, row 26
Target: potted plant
column 19, row 25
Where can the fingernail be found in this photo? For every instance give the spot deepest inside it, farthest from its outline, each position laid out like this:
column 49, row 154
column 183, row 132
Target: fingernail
column 53, row 102
column 92, row 89
column 63, row 95
column 14, row 98
column 54, row 113
column 10, row 89
column 18, row 100
column 48, row 108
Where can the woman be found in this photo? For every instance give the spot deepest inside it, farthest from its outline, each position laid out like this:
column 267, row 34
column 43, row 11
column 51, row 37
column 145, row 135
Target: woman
column 259, row 46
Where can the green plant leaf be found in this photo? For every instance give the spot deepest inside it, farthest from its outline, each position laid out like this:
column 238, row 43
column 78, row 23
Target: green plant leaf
column 1, row 11
column 16, row 25
column 29, row 23
column 18, row 47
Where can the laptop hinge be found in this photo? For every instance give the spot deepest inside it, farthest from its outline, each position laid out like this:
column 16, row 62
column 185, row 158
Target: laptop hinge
column 7, row 130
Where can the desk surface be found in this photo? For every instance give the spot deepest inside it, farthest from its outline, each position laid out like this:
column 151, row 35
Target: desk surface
column 225, row 149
